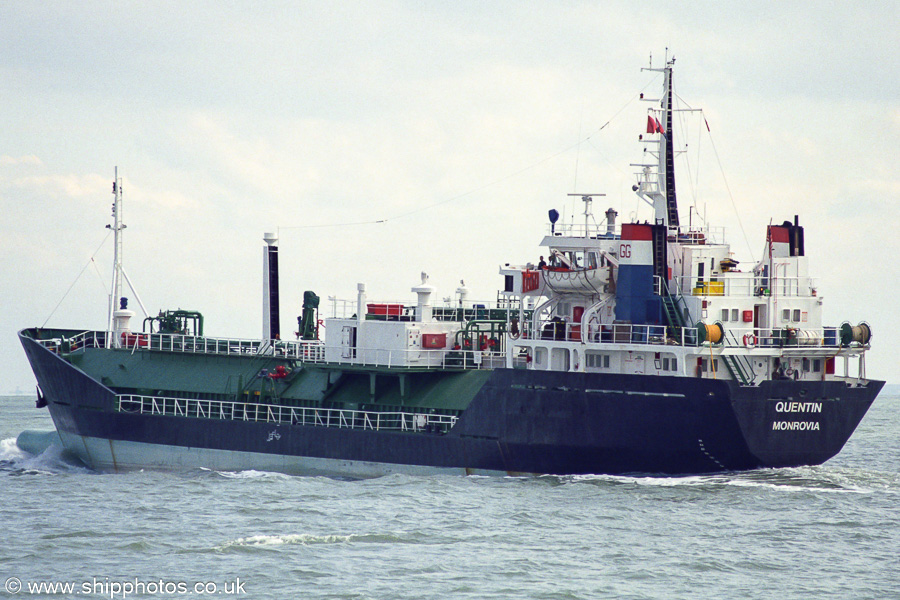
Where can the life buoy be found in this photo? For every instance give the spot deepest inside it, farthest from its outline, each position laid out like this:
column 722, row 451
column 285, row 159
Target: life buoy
column 789, row 372
column 749, row 340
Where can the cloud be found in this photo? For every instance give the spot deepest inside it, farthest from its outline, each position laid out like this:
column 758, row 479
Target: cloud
column 72, row 185
column 30, row 159
column 895, row 119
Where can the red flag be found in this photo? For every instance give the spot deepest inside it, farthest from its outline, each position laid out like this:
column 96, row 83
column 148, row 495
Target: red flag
column 654, row 126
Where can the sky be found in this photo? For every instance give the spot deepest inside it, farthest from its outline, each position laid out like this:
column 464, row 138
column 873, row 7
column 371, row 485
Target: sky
column 383, row 139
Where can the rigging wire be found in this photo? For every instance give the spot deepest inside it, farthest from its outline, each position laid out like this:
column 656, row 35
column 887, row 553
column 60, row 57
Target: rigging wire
column 727, row 187
column 89, row 262
column 452, row 198
column 578, row 154
column 694, row 182
column 486, row 185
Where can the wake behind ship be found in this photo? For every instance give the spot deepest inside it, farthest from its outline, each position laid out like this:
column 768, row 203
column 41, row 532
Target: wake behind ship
column 636, row 348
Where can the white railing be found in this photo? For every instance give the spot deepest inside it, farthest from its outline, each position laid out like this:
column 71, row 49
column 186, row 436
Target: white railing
column 783, row 337
column 747, row 284
column 437, row 359
column 696, row 234
column 346, row 309
column 578, row 230
column 317, row 353
column 312, row 351
column 686, row 234
column 307, row 352
column 285, row 415
column 612, row 333
column 85, row 339
column 751, row 337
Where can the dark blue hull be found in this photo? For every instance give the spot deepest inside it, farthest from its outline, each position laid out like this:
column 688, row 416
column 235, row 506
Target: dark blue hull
column 520, row 421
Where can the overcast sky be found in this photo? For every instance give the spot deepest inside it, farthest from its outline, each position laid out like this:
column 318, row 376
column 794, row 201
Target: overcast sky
column 458, row 124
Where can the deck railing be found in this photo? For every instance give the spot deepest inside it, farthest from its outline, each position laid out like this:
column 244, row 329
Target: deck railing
column 285, row 415
column 735, row 284
column 316, row 353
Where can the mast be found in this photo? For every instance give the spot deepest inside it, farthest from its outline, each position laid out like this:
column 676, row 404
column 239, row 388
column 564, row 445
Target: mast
column 668, row 154
column 656, row 182
column 116, row 289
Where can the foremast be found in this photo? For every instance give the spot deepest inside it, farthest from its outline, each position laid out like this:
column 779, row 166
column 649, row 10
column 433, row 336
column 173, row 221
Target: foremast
column 115, row 293
column 118, row 318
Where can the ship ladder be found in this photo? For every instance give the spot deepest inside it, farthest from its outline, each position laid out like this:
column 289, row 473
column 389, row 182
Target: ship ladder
column 740, row 367
column 672, row 307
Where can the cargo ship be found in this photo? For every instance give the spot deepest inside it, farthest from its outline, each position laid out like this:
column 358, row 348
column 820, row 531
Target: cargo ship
column 635, row 348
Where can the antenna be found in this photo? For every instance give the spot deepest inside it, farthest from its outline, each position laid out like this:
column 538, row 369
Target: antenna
column 587, row 210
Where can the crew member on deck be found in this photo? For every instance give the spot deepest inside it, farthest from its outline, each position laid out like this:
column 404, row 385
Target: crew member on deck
column 542, row 264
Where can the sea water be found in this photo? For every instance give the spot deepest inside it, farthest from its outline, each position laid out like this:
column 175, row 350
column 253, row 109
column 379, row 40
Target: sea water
column 831, row 531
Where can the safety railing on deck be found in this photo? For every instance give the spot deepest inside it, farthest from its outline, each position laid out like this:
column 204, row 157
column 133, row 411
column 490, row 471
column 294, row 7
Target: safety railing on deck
column 749, row 337
column 442, row 359
column 693, row 234
column 624, row 333
column 297, row 350
column 307, row 352
column 318, row 353
column 747, row 284
column 783, row 337
column 85, row 339
column 490, row 357
column 405, row 311
column 285, row 415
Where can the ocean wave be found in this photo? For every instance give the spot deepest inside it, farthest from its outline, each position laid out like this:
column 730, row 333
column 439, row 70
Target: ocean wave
column 308, row 539
column 248, row 474
column 817, row 479
column 52, row 461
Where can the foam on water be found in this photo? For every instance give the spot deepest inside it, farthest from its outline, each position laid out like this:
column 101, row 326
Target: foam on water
column 278, row 540
column 816, row 479
column 248, row 474
column 10, row 451
column 307, row 539
column 52, row 461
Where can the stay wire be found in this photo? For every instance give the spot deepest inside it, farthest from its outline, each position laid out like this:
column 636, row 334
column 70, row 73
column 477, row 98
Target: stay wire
column 446, row 200
column 479, row 188
column 83, row 269
column 727, row 187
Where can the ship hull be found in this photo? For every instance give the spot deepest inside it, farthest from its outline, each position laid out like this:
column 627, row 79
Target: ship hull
column 519, row 421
